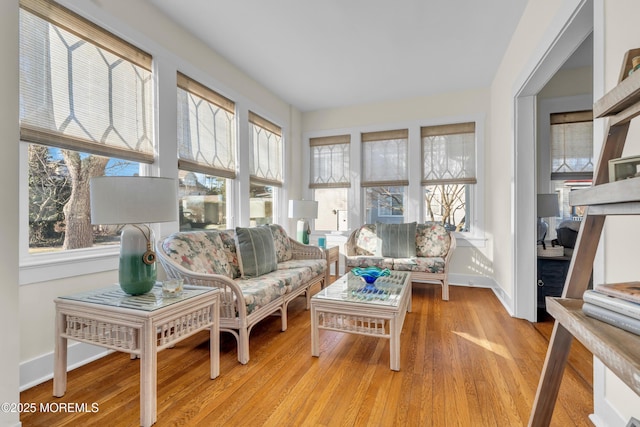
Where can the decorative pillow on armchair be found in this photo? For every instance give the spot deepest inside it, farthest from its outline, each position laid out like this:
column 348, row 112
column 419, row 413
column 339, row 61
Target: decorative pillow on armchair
column 398, row 240
column 256, row 251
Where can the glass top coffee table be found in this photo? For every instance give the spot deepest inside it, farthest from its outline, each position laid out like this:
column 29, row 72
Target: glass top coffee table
column 346, row 306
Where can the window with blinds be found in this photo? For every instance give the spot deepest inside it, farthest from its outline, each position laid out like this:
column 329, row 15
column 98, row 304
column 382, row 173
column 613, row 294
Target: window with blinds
column 86, row 109
column 448, row 154
column 330, row 162
column 206, row 130
column 384, row 158
column 572, row 146
column 266, row 151
column 81, row 87
column 448, row 171
column 330, row 179
column 206, row 154
column 385, row 175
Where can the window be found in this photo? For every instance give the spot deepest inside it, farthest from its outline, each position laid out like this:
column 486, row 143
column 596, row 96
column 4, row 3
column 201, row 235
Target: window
column 448, row 172
column 571, row 157
column 206, row 154
column 330, row 180
column 85, row 111
column 265, row 168
column 385, row 175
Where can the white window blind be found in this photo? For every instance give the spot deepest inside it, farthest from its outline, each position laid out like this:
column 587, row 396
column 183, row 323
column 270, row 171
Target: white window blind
column 81, row 87
column 384, row 158
column 266, row 151
column 448, row 154
column 206, row 130
column 330, row 162
column 572, row 145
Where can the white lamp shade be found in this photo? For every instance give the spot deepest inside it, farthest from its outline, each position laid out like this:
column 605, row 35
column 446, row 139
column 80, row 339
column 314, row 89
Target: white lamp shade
column 133, row 199
column 548, row 205
column 303, row 209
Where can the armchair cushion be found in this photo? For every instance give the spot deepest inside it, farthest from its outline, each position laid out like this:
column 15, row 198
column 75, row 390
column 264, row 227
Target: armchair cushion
column 257, row 253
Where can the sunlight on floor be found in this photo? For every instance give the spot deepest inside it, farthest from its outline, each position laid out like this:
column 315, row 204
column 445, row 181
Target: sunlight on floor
column 498, row 349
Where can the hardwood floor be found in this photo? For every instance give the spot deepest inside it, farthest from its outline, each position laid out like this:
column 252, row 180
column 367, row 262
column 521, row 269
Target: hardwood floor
column 463, row 362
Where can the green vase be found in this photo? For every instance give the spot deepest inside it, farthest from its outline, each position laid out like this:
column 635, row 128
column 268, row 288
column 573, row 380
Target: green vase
column 135, row 276
column 136, row 246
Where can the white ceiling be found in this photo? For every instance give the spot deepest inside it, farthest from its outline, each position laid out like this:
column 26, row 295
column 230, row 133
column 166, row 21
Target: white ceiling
column 333, row 53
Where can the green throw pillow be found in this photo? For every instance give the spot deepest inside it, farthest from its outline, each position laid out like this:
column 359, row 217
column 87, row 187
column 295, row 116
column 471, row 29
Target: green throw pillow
column 256, row 251
column 398, row 240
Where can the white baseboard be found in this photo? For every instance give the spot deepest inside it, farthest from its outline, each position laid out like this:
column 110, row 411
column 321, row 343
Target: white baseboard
column 40, row 369
column 483, row 282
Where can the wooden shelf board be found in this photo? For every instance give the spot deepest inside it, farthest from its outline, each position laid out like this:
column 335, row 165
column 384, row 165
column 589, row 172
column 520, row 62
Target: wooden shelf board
column 629, row 208
column 619, row 98
column 624, row 191
column 615, row 347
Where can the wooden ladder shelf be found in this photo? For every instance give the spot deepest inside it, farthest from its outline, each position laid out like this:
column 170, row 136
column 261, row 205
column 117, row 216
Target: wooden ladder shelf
column 616, row 348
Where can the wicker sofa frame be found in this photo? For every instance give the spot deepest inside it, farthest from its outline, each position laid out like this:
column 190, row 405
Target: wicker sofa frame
column 233, row 306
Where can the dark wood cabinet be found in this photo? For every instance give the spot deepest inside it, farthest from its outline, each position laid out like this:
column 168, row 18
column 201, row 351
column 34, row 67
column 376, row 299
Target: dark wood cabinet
column 552, row 273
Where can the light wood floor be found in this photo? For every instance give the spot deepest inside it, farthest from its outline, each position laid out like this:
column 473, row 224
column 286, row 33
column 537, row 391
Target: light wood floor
column 464, row 362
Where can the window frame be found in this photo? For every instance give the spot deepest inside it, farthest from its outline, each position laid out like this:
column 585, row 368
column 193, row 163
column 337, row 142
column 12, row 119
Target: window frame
column 44, row 267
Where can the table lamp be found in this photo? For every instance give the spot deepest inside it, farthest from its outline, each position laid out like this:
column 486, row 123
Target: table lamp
column 134, row 201
column 547, row 207
column 303, row 210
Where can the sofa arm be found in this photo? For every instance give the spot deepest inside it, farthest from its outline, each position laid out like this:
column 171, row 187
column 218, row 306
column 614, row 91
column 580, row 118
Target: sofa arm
column 232, row 302
column 302, row 251
column 452, row 247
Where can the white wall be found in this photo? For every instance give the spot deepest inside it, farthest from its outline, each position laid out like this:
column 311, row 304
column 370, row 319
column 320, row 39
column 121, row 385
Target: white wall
column 173, row 49
column 621, row 234
column 500, row 147
column 9, row 83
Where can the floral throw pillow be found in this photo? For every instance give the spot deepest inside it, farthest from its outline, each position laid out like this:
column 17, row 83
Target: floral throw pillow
column 198, row 251
column 432, row 240
column 281, row 242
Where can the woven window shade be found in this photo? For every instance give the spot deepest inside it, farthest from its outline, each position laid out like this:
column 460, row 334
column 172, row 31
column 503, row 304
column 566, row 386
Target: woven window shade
column 572, row 146
column 81, row 87
column 384, row 158
column 265, row 160
column 330, row 162
column 448, row 154
column 206, row 130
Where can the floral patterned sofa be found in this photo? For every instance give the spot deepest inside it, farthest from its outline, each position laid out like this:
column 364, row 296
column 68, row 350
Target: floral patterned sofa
column 212, row 258
column 434, row 246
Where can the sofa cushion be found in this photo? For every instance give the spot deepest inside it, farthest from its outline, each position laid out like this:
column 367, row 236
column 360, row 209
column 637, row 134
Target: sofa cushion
column 432, row 240
column 398, row 240
column 281, row 242
column 257, row 253
column 260, row 291
column 369, row 261
column 198, row 251
column 316, row 266
column 424, row 264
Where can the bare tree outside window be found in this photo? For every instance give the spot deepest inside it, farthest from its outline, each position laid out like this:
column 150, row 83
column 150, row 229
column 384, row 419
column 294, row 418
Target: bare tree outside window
column 446, row 204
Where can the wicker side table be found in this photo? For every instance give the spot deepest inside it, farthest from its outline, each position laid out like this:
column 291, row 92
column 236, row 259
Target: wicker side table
column 140, row 325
